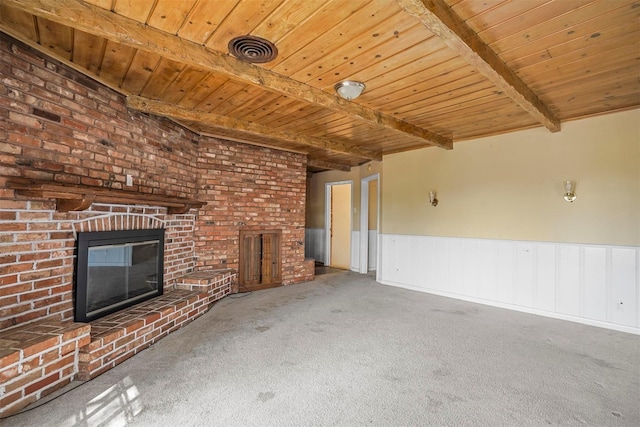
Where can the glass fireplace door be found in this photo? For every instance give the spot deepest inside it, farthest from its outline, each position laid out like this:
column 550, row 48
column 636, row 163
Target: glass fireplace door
column 119, row 273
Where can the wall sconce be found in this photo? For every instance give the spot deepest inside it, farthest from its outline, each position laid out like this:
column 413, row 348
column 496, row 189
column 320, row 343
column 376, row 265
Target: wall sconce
column 569, row 191
column 432, row 198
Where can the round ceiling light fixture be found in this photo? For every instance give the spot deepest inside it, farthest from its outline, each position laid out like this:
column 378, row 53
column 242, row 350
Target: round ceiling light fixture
column 349, row 89
column 253, row 49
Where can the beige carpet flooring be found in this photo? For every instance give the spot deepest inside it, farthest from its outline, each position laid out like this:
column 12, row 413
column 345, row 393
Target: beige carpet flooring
column 346, row 351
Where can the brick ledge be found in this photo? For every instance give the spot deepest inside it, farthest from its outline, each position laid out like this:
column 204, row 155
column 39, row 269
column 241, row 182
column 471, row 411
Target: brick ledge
column 40, row 357
column 118, row 336
column 37, row 359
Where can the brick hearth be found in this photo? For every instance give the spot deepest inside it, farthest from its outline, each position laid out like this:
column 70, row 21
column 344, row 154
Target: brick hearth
column 41, row 357
column 118, row 336
column 38, row 360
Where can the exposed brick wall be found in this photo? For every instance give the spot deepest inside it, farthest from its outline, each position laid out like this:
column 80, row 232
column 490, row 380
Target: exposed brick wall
column 87, row 134
column 36, row 268
column 57, row 125
column 251, row 188
column 179, row 255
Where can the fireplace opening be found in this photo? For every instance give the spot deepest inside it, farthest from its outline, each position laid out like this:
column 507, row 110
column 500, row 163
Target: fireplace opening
column 117, row 269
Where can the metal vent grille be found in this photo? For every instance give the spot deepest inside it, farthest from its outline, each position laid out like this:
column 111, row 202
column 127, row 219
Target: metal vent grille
column 253, row 49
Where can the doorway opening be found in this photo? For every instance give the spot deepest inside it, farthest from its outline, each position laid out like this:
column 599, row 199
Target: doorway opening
column 338, row 224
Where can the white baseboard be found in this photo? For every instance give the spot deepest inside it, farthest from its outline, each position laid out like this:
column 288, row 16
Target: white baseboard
column 528, row 310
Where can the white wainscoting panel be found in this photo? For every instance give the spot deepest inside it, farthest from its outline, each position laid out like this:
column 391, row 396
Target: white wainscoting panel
column 373, row 250
column 314, row 243
column 568, row 283
column 593, row 284
column 355, row 250
column 545, row 284
column 624, row 287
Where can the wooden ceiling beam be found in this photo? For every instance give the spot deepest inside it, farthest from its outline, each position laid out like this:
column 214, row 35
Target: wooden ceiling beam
column 104, row 23
column 441, row 20
column 175, row 112
column 328, row 165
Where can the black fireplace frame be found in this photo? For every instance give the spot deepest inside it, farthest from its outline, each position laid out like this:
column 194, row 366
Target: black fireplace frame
column 92, row 239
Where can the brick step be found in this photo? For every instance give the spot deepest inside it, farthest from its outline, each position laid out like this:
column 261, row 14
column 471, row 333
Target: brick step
column 201, row 280
column 37, row 359
column 118, row 336
column 40, row 357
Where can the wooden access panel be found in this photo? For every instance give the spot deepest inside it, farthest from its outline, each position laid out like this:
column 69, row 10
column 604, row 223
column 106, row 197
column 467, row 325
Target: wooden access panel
column 260, row 259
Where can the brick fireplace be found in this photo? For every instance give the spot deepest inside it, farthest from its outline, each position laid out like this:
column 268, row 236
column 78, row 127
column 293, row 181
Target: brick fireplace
column 97, row 165
column 38, row 266
column 43, row 349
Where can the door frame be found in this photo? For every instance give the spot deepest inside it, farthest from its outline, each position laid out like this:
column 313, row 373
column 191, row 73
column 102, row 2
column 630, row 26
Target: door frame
column 327, row 218
column 364, row 220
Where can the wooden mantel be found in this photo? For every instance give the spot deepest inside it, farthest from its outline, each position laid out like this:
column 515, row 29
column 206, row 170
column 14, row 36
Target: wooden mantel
column 76, row 197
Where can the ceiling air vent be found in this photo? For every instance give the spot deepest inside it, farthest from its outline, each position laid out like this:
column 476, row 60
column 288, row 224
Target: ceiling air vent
column 253, row 49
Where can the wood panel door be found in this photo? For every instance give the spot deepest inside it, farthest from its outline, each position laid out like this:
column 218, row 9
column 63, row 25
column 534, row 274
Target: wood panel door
column 260, row 260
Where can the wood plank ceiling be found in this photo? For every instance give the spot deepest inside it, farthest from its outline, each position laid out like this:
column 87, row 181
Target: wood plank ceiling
column 436, row 71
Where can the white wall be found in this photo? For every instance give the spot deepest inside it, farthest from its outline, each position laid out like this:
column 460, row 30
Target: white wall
column 510, row 186
column 593, row 284
column 502, row 233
